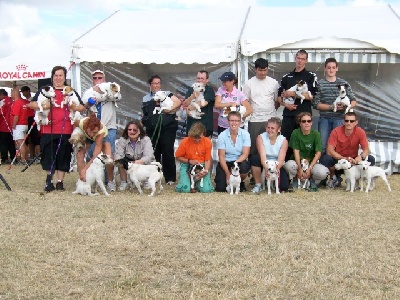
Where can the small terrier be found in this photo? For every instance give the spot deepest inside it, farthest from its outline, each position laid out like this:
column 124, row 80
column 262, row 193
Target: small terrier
column 194, row 170
column 234, row 179
column 46, row 96
column 197, row 102
column 304, row 166
column 371, row 173
column 300, row 88
column 240, row 108
column 151, row 174
column 69, row 99
column 273, row 177
column 166, row 102
column 342, row 98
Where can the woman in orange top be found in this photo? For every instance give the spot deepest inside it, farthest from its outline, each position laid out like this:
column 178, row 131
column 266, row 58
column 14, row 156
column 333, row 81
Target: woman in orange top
column 194, row 149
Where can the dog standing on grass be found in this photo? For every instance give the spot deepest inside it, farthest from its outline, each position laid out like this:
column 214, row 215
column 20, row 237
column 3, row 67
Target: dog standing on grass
column 370, row 173
column 352, row 173
column 235, row 179
column 304, row 163
column 273, row 177
column 151, row 174
column 94, row 177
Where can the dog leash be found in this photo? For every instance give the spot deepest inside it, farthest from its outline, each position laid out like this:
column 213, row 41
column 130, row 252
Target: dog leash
column 158, row 127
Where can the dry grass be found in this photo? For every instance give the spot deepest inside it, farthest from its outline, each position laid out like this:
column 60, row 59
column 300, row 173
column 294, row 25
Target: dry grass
column 325, row 245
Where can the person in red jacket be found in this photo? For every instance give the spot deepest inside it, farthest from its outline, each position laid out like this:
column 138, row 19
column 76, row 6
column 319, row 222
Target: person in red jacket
column 19, row 115
column 7, row 146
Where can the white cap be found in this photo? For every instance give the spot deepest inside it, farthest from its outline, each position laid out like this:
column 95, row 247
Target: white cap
column 97, row 71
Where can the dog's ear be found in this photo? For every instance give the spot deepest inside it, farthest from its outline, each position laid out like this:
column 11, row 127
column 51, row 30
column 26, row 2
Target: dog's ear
column 346, row 85
column 338, row 86
column 277, row 163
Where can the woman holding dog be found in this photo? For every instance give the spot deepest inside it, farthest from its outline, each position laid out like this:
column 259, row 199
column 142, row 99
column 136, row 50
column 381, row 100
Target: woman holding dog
column 56, row 149
column 134, row 146
column 193, row 150
column 271, row 145
column 233, row 146
column 228, row 95
column 96, row 133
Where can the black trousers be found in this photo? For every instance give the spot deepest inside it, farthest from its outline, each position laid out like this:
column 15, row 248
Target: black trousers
column 164, row 151
column 288, row 125
column 7, row 146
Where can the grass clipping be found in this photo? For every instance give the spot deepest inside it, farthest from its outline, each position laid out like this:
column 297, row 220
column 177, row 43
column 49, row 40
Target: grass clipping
column 323, row 245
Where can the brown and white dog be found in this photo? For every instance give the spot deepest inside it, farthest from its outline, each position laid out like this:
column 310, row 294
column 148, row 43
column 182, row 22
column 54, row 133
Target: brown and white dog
column 239, row 108
column 304, row 166
column 70, row 98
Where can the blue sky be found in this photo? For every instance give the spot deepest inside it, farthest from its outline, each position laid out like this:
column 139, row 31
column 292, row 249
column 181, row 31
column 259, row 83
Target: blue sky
column 25, row 21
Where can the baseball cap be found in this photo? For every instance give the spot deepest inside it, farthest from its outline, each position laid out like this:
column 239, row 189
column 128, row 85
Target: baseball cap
column 97, row 71
column 227, row 76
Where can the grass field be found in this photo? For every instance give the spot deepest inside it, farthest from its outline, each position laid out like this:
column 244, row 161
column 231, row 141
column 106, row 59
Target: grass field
column 324, row 245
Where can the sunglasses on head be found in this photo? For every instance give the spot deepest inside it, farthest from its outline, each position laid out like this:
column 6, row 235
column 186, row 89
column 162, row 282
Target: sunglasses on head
column 306, row 121
column 351, row 121
column 97, row 77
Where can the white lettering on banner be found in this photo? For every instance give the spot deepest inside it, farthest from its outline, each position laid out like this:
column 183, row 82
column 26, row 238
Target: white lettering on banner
column 22, row 75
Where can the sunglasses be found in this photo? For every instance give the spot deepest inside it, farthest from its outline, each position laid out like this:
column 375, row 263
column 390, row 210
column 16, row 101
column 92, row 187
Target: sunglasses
column 306, row 121
column 351, row 121
column 97, row 78
column 133, row 130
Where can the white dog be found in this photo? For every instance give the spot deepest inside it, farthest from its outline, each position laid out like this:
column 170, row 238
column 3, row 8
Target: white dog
column 234, row 179
column 352, row 173
column 196, row 169
column 110, row 91
column 94, row 175
column 300, row 88
column 46, row 96
column 197, row 102
column 342, row 98
column 166, row 102
column 304, row 166
column 371, row 173
column 151, row 174
column 71, row 98
column 273, row 176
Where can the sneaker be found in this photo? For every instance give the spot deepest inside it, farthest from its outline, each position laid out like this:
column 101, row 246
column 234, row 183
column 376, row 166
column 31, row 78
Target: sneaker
column 312, row 184
column 256, row 189
column 242, row 187
column 170, row 183
column 22, row 163
column 331, row 183
column 111, row 186
column 123, row 185
column 60, row 186
column 49, row 187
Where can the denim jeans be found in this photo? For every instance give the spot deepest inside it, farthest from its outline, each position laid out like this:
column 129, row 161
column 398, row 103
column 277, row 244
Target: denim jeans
column 325, row 126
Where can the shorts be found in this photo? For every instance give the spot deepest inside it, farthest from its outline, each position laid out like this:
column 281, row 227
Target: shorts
column 19, row 132
column 51, row 145
column 109, row 138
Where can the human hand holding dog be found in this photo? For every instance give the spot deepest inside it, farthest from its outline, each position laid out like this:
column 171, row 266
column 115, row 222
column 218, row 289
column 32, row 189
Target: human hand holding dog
column 340, row 107
column 82, row 174
column 201, row 174
column 291, row 106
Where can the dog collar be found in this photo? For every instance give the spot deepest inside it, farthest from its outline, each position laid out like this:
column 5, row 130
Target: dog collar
column 235, row 175
column 45, row 96
column 342, row 97
column 101, row 160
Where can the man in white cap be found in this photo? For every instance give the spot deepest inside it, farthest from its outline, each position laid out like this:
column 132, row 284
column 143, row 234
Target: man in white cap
column 106, row 113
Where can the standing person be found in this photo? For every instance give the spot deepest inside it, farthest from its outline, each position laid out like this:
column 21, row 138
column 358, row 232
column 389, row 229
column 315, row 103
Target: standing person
column 19, row 114
column 271, row 145
column 306, row 143
column 207, row 109
column 233, row 146
column 56, row 149
column 344, row 142
column 161, row 128
column 290, row 112
column 194, row 149
column 133, row 146
column 7, row 144
column 106, row 112
column 327, row 93
column 262, row 92
column 228, row 95
column 96, row 134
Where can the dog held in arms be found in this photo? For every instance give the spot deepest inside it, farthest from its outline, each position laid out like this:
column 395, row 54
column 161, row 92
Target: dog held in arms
column 342, row 98
column 165, row 101
column 94, row 177
column 198, row 102
column 240, row 108
column 300, row 88
column 234, row 179
column 110, row 91
column 70, row 98
column 151, row 173
column 46, row 96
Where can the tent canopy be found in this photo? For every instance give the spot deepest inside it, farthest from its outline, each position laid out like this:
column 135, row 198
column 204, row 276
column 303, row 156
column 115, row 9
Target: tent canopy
column 337, row 27
column 35, row 61
column 164, row 36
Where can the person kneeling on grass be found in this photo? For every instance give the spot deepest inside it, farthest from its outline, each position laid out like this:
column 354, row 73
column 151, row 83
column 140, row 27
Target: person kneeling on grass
column 194, row 149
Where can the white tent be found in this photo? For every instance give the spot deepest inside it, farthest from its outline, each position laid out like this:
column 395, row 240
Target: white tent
column 130, row 46
column 35, row 61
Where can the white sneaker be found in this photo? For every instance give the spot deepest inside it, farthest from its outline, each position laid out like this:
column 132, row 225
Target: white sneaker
column 111, row 186
column 257, row 189
column 123, row 185
column 332, row 183
column 170, row 183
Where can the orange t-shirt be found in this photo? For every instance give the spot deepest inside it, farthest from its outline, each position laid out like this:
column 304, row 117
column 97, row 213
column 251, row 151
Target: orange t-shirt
column 189, row 149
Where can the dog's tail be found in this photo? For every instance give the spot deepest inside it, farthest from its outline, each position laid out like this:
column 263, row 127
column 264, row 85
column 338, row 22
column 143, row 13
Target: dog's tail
column 156, row 163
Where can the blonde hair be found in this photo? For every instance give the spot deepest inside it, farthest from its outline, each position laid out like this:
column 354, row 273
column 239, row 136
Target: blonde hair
column 197, row 130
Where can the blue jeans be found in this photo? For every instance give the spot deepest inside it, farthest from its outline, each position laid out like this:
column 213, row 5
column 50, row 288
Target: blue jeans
column 110, row 137
column 325, row 126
